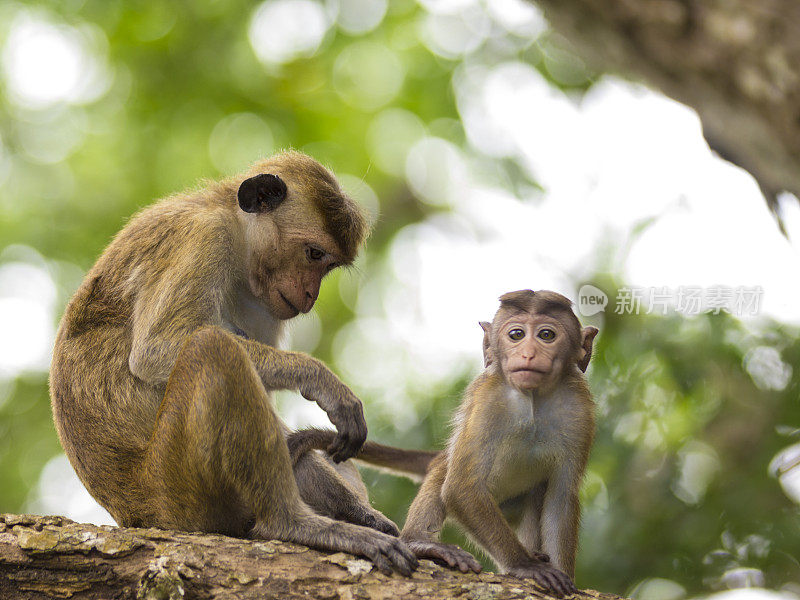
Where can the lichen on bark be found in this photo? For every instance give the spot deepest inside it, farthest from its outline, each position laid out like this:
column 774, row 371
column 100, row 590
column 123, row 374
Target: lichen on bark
column 53, row 557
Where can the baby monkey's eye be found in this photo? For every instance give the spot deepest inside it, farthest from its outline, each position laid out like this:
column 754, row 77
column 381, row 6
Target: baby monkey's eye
column 516, row 334
column 548, row 335
column 314, row 253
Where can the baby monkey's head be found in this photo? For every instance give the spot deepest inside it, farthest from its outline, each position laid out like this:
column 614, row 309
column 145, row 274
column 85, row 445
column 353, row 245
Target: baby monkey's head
column 535, row 340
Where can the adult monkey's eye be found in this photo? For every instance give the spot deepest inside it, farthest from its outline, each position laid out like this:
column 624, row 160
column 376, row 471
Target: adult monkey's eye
column 314, row 253
column 516, row 334
column 548, row 335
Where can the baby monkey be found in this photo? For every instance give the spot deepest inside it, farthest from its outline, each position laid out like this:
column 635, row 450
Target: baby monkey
column 513, row 466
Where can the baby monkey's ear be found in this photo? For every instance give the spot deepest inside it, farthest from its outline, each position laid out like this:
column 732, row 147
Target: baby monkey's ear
column 487, row 342
column 587, row 339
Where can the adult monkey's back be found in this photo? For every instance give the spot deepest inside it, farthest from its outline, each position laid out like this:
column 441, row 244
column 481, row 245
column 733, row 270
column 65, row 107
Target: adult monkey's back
column 165, row 358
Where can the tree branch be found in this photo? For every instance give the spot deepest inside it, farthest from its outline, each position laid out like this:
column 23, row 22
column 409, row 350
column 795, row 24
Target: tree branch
column 737, row 63
column 53, row 557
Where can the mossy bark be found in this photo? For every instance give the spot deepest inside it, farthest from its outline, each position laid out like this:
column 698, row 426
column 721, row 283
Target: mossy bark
column 53, row 557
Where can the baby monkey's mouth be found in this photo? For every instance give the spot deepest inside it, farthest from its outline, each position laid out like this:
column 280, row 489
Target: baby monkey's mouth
column 529, row 370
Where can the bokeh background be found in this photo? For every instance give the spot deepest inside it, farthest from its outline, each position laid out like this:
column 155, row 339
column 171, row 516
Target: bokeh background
column 490, row 158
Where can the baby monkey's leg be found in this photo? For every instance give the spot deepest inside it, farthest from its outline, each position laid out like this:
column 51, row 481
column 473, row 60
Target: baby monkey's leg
column 325, row 490
column 426, row 518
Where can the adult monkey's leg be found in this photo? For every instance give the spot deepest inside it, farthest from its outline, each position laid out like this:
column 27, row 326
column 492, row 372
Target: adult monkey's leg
column 218, row 461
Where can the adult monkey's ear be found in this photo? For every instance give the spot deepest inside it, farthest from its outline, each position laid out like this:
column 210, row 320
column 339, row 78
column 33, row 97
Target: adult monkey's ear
column 585, row 353
column 261, row 193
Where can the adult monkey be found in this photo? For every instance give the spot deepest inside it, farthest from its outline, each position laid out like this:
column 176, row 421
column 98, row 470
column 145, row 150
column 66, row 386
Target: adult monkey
column 165, row 358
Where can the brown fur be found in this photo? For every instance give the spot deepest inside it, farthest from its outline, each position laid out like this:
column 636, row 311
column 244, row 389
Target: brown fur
column 413, row 463
column 514, row 463
column 165, row 413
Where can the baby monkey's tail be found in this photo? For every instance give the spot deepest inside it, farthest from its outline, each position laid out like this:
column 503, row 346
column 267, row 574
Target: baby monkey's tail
column 411, row 463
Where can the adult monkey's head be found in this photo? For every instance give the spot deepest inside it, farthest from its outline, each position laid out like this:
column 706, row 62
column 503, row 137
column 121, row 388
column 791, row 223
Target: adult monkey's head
column 298, row 225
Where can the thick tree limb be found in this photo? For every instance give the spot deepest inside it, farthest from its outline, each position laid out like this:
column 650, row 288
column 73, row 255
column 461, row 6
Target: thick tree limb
column 736, row 62
column 53, row 557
